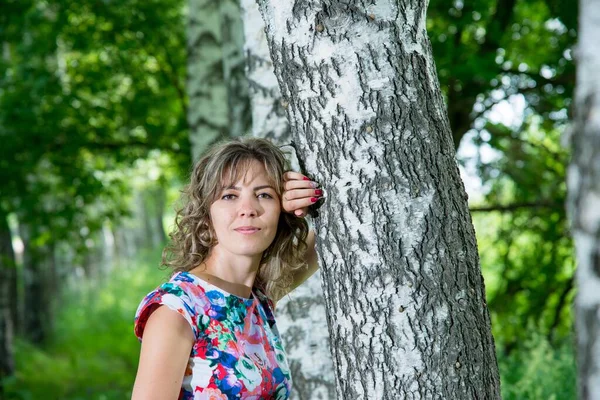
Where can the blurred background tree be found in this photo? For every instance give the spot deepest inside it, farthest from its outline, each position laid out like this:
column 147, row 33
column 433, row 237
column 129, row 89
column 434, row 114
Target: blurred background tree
column 89, row 91
column 94, row 144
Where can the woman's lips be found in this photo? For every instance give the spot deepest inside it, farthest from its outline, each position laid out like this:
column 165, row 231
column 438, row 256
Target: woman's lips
column 247, row 231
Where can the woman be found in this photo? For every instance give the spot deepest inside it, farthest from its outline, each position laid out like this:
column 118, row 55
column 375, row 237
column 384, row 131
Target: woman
column 239, row 245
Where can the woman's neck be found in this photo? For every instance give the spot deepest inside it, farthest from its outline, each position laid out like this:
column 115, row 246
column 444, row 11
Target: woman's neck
column 235, row 275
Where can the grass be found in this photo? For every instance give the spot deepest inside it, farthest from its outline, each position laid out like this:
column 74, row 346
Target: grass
column 93, row 352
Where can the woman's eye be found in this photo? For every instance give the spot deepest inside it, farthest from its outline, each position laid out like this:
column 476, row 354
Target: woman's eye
column 233, row 196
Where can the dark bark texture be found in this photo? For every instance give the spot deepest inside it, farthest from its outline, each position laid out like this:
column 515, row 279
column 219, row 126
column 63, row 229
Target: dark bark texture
column 404, row 294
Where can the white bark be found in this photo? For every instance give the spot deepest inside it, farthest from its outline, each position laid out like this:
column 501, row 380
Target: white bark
column 302, row 322
column 207, row 115
column 301, row 315
column 584, row 199
column 268, row 115
column 403, row 288
column 232, row 32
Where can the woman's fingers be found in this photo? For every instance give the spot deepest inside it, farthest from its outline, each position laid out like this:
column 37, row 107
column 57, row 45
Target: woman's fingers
column 296, row 178
column 300, row 193
column 299, row 184
column 293, row 175
column 292, row 205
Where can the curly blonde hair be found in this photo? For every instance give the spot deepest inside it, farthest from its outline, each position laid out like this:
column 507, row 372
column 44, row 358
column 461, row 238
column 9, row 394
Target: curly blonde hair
column 193, row 235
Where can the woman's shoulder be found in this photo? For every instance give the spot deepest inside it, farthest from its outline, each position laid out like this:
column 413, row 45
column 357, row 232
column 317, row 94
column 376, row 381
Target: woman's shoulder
column 182, row 293
column 181, row 285
column 187, row 282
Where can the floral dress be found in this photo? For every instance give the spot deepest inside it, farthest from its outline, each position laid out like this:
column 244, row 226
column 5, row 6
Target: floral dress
column 237, row 354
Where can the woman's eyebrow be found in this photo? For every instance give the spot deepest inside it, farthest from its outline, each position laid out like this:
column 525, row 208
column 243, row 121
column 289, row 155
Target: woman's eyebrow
column 255, row 188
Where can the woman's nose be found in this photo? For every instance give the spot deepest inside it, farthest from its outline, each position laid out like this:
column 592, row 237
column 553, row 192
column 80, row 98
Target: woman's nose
column 247, row 212
column 248, row 208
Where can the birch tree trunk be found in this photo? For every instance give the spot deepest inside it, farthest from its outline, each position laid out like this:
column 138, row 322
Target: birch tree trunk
column 7, row 274
column 583, row 184
column 208, row 116
column 301, row 315
column 268, row 115
column 39, row 285
column 403, row 288
column 232, row 32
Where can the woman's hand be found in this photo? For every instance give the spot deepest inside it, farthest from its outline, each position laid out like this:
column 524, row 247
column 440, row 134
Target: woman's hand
column 299, row 192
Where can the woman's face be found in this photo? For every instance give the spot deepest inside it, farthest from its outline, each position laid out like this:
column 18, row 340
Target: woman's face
column 245, row 216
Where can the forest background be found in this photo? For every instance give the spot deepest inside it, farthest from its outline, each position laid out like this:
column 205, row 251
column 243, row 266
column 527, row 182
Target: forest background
column 94, row 147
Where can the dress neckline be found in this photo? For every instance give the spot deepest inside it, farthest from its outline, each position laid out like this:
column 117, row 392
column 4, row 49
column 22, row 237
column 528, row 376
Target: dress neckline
column 246, row 300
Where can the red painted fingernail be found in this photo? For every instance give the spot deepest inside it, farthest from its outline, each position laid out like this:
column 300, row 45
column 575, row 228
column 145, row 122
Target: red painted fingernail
column 318, row 192
column 313, row 199
column 305, row 178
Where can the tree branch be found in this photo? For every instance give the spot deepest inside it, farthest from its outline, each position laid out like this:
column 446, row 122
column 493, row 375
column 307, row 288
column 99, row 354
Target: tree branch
column 562, row 301
column 499, row 22
column 174, row 79
column 517, row 206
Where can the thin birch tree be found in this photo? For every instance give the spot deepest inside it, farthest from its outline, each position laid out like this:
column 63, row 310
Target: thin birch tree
column 7, row 300
column 207, row 112
column 232, row 33
column 583, row 184
column 403, row 288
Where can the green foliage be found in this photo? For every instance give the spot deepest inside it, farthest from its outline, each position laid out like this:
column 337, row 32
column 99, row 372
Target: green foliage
column 540, row 371
column 93, row 352
column 86, row 88
column 92, row 90
column 489, row 50
column 526, row 252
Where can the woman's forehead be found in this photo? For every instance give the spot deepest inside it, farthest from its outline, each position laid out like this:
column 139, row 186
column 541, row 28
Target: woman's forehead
column 244, row 172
